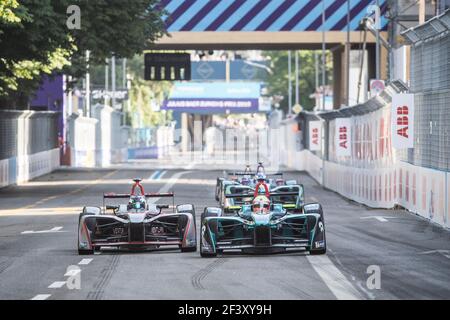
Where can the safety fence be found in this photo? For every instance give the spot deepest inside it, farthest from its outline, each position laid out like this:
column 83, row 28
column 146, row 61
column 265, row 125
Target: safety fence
column 430, row 83
column 373, row 173
column 28, row 145
column 365, row 162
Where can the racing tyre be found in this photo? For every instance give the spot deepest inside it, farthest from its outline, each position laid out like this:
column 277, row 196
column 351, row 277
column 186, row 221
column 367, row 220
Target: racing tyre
column 318, row 252
column 208, row 212
column 90, row 211
column 189, row 249
column 323, row 238
column 218, row 187
column 84, row 252
column 314, row 208
column 187, row 208
column 211, row 212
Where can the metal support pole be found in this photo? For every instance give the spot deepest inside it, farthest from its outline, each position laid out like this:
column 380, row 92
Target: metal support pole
column 297, row 73
column 106, row 82
column 88, row 87
column 348, row 47
column 124, row 85
column 323, row 56
column 290, row 81
column 113, row 81
column 377, row 47
column 316, row 62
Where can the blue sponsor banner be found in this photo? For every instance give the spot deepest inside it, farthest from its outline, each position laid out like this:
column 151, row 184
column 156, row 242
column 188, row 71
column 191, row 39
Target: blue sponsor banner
column 212, row 98
column 208, row 70
column 249, row 70
column 143, row 153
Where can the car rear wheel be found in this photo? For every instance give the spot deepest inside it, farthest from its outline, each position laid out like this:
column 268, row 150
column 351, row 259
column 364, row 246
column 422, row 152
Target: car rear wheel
column 84, row 252
column 318, row 252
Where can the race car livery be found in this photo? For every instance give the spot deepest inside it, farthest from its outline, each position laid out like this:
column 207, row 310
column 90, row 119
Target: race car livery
column 246, row 182
column 137, row 224
column 262, row 224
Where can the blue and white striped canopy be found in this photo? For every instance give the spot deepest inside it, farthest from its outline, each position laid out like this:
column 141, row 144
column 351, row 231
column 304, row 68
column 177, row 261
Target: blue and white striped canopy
column 264, row 15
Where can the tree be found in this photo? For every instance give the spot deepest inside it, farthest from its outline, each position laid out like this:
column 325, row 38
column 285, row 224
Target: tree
column 35, row 40
column 122, row 28
column 278, row 81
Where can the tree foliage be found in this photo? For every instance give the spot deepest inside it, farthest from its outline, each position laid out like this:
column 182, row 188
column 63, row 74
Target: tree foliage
column 278, row 81
column 35, row 40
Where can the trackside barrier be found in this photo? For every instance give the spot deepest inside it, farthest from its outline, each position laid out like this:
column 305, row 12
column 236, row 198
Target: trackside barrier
column 375, row 174
column 24, row 168
column 420, row 190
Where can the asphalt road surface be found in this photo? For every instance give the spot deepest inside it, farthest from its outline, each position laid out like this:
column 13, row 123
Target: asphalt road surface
column 38, row 248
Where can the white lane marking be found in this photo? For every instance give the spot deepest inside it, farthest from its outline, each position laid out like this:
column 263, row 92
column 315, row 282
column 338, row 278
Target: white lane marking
column 57, row 285
column 85, row 262
column 72, row 272
column 379, row 218
column 53, row 230
column 169, row 185
column 445, row 253
column 333, row 278
column 161, row 175
column 153, row 175
column 41, row 297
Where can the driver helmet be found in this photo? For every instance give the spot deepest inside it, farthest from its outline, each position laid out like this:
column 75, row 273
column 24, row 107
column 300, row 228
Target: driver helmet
column 137, row 202
column 261, row 176
column 261, row 205
column 245, row 181
column 260, row 168
column 279, row 182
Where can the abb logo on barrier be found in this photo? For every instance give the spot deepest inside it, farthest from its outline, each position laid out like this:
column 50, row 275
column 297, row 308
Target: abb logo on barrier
column 343, row 137
column 315, row 135
column 402, row 119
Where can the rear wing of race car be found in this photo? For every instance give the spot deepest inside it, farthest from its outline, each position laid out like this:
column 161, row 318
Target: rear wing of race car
column 243, row 173
column 147, row 195
column 287, row 205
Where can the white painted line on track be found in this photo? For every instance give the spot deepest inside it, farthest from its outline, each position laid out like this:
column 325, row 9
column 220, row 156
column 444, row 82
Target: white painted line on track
column 57, row 285
column 53, row 230
column 72, row 272
column 379, row 218
column 161, row 175
column 333, row 278
column 41, row 297
column 85, row 262
column 443, row 252
column 153, row 175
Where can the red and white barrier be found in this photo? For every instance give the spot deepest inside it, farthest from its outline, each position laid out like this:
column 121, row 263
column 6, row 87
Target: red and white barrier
column 371, row 171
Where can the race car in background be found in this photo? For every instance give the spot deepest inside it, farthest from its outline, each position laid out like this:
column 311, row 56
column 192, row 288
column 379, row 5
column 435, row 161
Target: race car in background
column 262, row 224
column 246, row 181
column 137, row 224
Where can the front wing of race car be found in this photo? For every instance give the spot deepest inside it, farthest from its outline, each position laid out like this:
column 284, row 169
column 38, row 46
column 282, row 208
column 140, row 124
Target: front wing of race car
column 290, row 231
column 137, row 230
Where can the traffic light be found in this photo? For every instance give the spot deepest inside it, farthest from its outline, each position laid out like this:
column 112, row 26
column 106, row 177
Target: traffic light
column 162, row 66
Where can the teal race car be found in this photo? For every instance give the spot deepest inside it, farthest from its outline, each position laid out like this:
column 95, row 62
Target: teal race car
column 262, row 224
